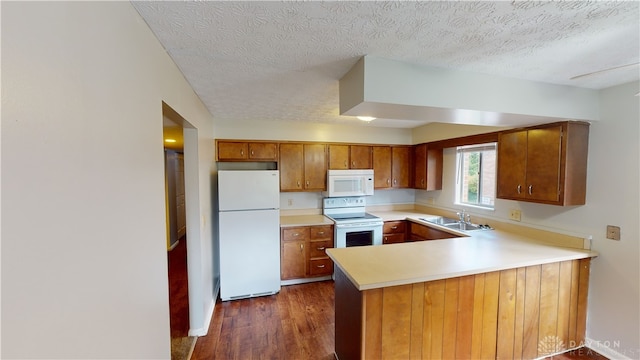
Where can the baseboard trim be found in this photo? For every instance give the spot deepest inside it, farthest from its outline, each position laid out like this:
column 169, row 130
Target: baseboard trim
column 209, row 315
column 606, row 348
column 304, row 280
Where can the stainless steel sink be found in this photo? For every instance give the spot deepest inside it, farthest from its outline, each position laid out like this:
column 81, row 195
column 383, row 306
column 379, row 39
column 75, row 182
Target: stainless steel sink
column 441, row 220
column 461, row 226
column 454, row 224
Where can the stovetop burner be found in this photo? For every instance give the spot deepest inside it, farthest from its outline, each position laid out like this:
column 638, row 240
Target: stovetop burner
column 353, row 216
column 347, row 210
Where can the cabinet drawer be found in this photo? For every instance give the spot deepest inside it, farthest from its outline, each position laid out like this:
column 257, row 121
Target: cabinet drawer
column 318, row 248
column 393, row 238
column 394, row 227
column 322, row 266
column 295, row 233
column 321, row 232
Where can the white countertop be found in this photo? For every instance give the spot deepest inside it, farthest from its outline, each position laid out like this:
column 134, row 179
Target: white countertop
column 371, row 267
column 304, row 220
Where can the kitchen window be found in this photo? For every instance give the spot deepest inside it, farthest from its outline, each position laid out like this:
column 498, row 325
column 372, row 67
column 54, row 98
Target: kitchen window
column 476, row 175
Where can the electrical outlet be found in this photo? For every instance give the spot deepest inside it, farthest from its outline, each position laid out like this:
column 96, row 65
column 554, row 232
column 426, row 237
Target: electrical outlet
column 515, row 214
column 613, row 232
column 290, row 202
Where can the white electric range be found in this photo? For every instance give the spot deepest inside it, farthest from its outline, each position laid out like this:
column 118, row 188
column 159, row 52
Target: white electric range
column 353, row 225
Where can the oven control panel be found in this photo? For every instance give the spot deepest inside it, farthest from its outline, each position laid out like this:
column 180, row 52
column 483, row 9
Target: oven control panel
column 341, row 202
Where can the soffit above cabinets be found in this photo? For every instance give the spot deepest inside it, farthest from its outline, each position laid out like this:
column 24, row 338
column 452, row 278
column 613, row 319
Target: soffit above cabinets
column 390, row 89
column 282, row 61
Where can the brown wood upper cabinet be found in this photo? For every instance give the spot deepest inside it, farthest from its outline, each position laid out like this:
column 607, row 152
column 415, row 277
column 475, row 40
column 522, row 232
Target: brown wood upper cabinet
column 401, row 166
column 246, row 151
column 349, row 157
column 381, row 167
column 427, row 168
column 544, row 164
column 303, row 167
column 392, row 166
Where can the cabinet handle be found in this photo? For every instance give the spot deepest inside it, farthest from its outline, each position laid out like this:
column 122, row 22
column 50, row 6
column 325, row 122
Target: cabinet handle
column 421, row 181
column 298, row 183
column 307, row 183
column 346, row 164
column 296, row 234
column 251, row 152
column 320, row 232
column 242, row 152
column 394, row 227
column 395, row 181
column 301, row 247
column 388, row 181
column 320, row 266
column 320, row 248
column 519, row 189
column 530, row 189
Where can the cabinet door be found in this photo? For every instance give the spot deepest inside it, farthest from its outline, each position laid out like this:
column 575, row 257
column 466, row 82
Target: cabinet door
column 382, row 167
column 434, row 169
column 400, row 166
column 420, row 166
column 232, row 151
column 293, row 260
column 263, row 151
column 315, row 167
column 291, row 166
column 360, row 156
column 543, row 163
column 512, row 160
column 338, row 157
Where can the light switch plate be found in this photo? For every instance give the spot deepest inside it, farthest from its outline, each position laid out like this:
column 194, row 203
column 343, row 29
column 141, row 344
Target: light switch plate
column 613, row 232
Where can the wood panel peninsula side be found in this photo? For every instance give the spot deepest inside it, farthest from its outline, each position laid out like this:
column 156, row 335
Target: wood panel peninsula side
column 486, row 296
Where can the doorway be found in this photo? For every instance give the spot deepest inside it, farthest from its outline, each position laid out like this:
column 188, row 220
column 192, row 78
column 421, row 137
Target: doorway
column 177, row 237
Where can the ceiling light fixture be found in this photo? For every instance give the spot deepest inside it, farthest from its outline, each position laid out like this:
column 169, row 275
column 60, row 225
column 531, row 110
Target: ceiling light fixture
column 366, row 118
column 170, row 140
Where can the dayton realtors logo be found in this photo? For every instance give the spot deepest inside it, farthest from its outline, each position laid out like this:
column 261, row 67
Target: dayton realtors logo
column 550, row 345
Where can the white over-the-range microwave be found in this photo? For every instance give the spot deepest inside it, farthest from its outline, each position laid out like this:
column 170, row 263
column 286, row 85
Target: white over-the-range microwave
column 356, row 182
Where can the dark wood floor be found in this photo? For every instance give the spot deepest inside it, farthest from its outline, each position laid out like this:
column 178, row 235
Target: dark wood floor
column 297, row 323
column 178, row 290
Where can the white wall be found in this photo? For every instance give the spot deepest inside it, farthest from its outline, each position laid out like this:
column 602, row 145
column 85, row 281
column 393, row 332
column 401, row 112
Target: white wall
column 612, row 199
column 84, row 270
column 360, row 133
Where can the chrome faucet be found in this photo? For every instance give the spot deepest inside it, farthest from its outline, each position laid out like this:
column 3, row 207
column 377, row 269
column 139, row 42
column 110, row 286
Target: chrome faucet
column 464, row 217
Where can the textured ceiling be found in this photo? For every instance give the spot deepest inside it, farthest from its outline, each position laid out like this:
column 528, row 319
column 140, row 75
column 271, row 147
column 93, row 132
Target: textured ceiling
column 281, row 61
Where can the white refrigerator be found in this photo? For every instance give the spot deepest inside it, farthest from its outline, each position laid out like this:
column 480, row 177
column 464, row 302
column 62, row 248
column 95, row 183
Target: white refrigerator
column 249, row 230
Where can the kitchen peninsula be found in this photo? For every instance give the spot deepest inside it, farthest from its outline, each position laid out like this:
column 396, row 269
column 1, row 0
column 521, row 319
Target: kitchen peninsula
column 486, row 294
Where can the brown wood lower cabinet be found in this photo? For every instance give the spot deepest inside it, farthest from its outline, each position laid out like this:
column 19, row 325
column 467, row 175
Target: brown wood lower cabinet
column 418, row 232
column 394, row 232
column 516, row 313
column 302, row 252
